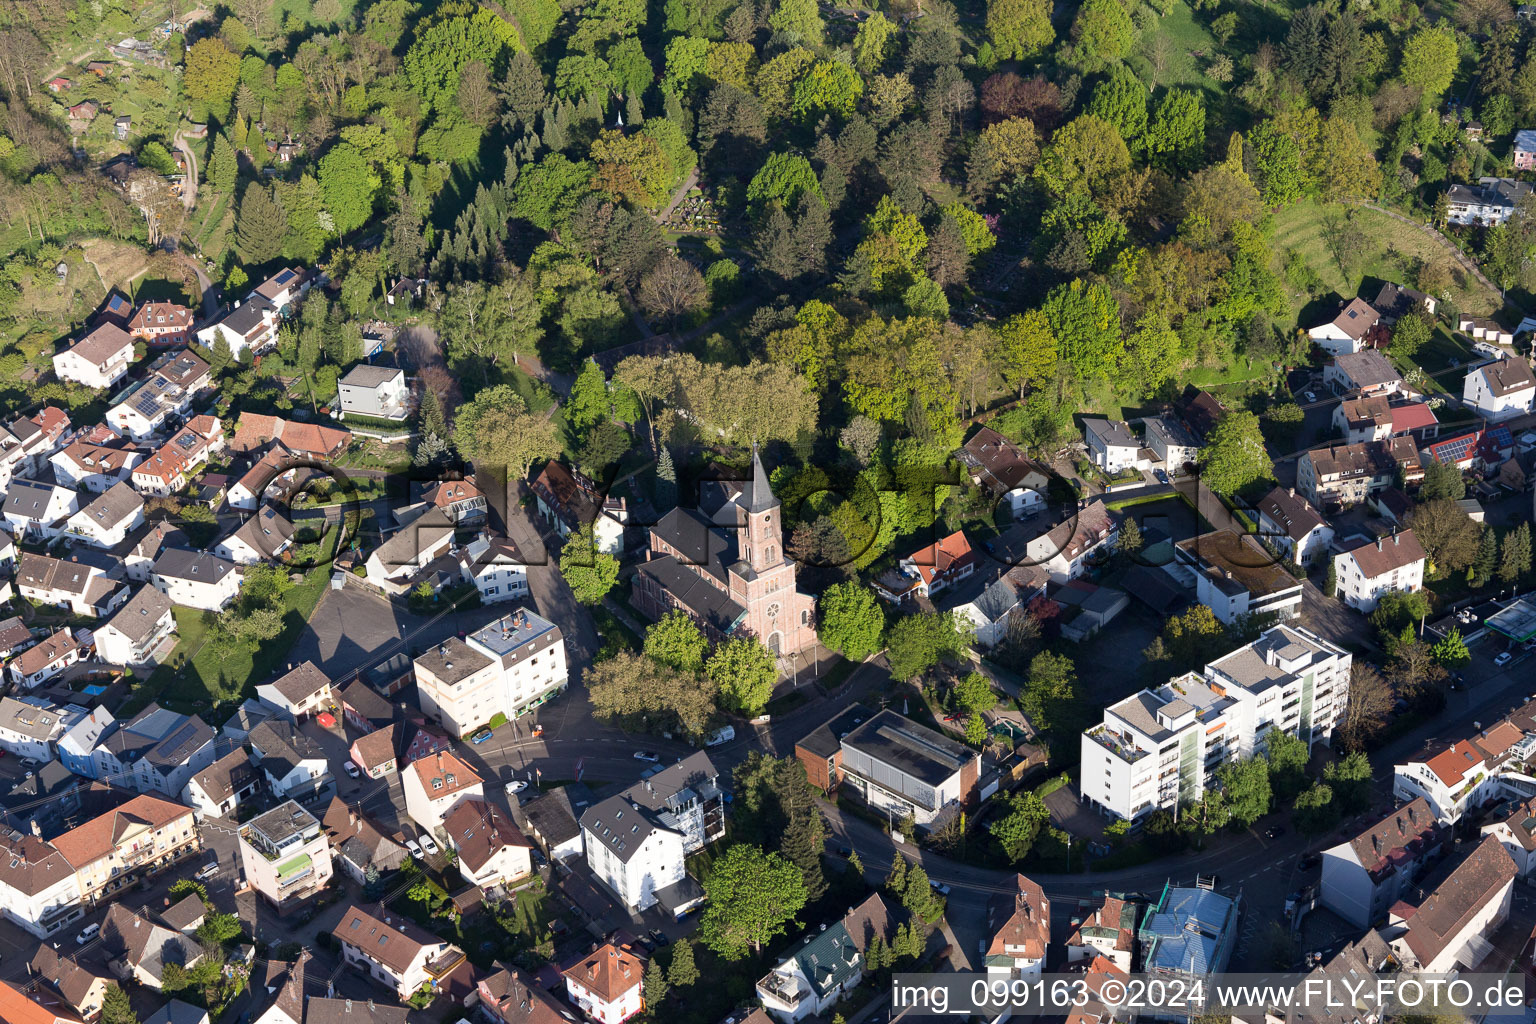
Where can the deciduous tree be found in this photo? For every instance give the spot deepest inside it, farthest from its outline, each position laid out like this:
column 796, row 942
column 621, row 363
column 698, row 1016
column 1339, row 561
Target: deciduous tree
column 495, row 430
column 745, row 672
column 676, row 642
column 852, row 621
column 753, row 897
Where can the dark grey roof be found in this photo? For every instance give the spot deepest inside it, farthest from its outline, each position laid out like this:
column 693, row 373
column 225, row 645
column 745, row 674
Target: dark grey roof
column 555, row 814
column 246, row 318
column 916, row 750
column 301, row 682
column 827, row 739
column 267, row 532
column 117, row 503
column 620, row 826
column 453, row 660
column 710, row 603
column 365, row 375
column 759, row 497
column 198, row 566
column 29, row 499
column 137, row 618
column 365, row 700
column 283, row 746
column 178, row 747
column 178, row 1012
column 695, row 776
column 185, row 914
column 352, row 1011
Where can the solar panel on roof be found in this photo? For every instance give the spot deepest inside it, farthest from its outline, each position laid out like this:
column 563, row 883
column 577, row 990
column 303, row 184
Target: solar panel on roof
column 1456, row 449
column 284, row 277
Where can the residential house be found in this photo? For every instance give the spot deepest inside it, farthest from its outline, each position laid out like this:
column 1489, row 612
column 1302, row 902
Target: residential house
column 83, row 112
column 606, row 984
column 1133, row 763
column 496, row 567
column 85, row 586
column 424, row 538
column 196, row 579
column 927, row 571
column 247, row 325
column 419, row 740
column 1491, row 201
column 1394, row 301
column 186, row 916
column 1500, row 389
column 406, row 291
column 162, row 324
column 106, row 521
column 140, row 949
column 1235, row 577
column 569, row 501
column 219, row 789
column 553, row 819
column 295, row 766
column 1467, row 774
column 174, row 464
column 157, row 751
column 28, row 728
column 359, row 843
column 1295, row 529
column 1375, row 567
column 1200, row 411
column 1444, row 925
column 685, row 796
column 363, row 707
column 375, row 753
column 14, row 636
column 826, row 966
column 286, row 856
column 38, row 888
column 433, row 785
column 460, row 500
column 1377, row 418
column 137, row 630
column 1365, row 373
column 990, row 603
column 48, row 799
column 1343, row 475
column 492, row 852
column 1514, row 825
column 36, row 510
column 302, row 691
column 175, row 379
column 98, row 360
column 251, row 713
column 898, row 766
column 1364, row 876
column 1345, row 333
column 261, row 538
column 38, row 664
column 378, row 392
column 304, row 440
column 145, row 546
column 1104, row 929
column 113, row 851
column 273, row 471
column 79, row 981
column 997, row 464
column 633, row 853
column 1113, row 447
column 1172, row 443
column 17, row 1008
column 1188, row 931
column 1523, row 152
column 393, row 951
column 511, row 997
column 76, row 748
column 92, row 467
column 1019, row 930
column 1479, row 450
column 178, row 1012
column 509, row 666
column 1065, row 550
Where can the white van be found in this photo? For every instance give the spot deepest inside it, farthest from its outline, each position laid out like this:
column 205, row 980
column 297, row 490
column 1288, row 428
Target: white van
column 724, row 734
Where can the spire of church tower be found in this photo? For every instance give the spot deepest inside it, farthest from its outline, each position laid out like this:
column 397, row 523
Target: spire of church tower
column 759, row 495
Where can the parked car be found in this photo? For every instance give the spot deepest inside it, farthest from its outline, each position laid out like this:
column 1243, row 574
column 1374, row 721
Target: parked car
column 1310, row 396
column 480, row 736
column 207, row 871
column 428, row 845
column 516, row 787
column 647, row 755
column 30, row 762
column 351, row 769
column 1162, row 477
column 410, row 844
column 87, row 933
column 1503, row 659
column 724, row 734
column 939, row 886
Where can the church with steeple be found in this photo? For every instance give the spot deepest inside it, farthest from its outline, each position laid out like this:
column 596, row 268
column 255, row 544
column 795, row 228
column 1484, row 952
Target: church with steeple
column 726, row 567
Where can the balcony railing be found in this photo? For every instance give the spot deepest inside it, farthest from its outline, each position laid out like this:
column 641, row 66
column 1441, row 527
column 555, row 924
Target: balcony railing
column 784, row 989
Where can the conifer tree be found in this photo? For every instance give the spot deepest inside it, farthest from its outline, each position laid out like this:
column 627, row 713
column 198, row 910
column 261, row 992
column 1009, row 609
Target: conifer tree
column 1515, row 557
column 683, row 972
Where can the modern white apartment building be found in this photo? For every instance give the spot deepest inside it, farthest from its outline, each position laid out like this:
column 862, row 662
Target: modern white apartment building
column 632, row 852
column 1160, row 748
column 286, row 855
column 507, row 667
column 1500, row 389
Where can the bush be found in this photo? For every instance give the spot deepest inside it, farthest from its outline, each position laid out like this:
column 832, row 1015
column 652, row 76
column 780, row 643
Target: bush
column 497, row 721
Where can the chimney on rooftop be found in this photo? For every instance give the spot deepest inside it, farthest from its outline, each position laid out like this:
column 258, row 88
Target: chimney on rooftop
column 1378, row 543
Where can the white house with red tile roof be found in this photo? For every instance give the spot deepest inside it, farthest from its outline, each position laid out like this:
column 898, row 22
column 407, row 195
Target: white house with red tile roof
column 1465, row 775
column 433, row 785
column 1364, row 876
column 606, row 984
column 1107, row 930
column 929, row 570
column 98, row 360
column 1345, row 333
column 39, row 664
column 174, row 463
column 162, row 323
column 1019, row 930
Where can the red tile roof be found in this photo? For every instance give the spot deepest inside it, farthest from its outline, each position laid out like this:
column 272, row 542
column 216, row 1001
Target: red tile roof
column 609, row 972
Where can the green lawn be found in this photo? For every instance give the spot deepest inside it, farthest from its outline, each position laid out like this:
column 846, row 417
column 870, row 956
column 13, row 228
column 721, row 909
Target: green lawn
column 1176, row 51
column 1391, row 247
column 1435, row 359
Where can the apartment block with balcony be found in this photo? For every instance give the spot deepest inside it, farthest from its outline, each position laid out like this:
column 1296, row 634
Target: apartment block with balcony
column 114, row 850
column 1160, row 748
column 509, row 666
column 286, row 856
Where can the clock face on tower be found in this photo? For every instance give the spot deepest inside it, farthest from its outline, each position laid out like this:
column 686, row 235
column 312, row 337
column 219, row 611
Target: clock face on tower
column 773, row 610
